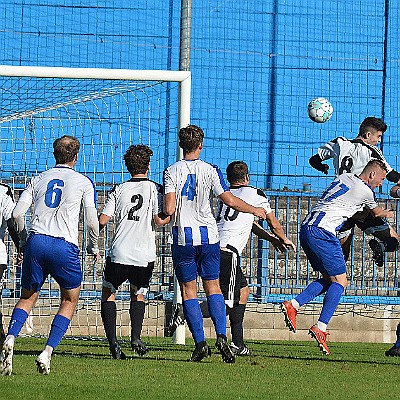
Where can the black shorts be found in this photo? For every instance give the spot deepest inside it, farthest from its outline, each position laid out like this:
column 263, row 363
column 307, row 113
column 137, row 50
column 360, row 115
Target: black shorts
column 116, row 274
column 231, row 277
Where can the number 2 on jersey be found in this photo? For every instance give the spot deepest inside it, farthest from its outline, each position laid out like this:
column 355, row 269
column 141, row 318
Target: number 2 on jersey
column 53, row 194
column 189, row 188
column 137, row 200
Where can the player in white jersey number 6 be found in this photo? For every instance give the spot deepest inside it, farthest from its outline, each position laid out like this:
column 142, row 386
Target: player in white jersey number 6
column 52, row 245
column 347, row 195
column 188, row 186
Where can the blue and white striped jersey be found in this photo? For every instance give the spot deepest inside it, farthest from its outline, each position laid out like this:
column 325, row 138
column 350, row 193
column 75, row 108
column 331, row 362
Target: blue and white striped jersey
column 133, row 204
column 350, row 155
column 6, row 207
column 57, row 195
column 193, row 181
column 234, row 227
column 346, row 195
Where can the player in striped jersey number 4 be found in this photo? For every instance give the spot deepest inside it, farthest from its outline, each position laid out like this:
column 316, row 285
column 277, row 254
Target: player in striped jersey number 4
column 188, row 185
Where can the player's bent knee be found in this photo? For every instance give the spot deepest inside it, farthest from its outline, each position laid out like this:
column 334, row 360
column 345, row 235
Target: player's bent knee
column 391, row 244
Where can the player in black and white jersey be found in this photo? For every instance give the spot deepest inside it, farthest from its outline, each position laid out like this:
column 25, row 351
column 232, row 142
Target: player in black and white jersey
column 136, row 206
column 352, row 156
column 52, row 245
column 6, row 207
column 189, row 184
column 234, row 230
column 347, row 195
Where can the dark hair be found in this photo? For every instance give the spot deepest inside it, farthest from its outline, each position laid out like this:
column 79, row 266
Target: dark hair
column 65, row 149
column 237, row 171
column 371, row 123
column 137, row 159
column 373, row 163
column 190, row 138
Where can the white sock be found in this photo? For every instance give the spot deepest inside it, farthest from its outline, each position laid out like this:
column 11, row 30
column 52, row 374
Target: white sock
column 321, row 326
column 48, row 350
column 10, row 339
column 295, row 304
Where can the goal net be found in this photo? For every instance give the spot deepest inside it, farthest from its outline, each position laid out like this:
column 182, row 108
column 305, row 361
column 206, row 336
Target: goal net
column 107, row 110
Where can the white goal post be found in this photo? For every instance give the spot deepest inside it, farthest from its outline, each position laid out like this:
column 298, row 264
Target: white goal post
column 82, row 101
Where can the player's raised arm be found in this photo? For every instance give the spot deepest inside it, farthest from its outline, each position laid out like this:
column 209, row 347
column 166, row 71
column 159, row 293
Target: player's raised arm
column 239, row 205
column 316, row 162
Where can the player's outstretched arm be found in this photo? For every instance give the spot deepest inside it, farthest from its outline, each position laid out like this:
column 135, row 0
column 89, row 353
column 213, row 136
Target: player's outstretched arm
column 239, row 205
column 265, row 235
column 277, row 230
column 395, row 191
column 316, row 162
column 382, row 212
column 162, row 219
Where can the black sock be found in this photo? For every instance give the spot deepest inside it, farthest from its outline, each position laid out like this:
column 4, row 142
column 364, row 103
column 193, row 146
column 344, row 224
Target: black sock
column 236, row 317
column 136, row 312
column 109, row 317
column 1, row 322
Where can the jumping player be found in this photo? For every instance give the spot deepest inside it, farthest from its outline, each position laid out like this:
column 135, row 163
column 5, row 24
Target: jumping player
column 135, row 207
column 352, row 156
column 346, row 195
column 188, row 185
column 52, row 245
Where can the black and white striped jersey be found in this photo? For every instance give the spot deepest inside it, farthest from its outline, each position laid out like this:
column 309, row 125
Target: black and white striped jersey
column 133, row 204
column 350, row 155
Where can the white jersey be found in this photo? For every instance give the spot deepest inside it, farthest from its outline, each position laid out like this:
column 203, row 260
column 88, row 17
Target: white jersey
column 193, row 181
column 234, row 227
column 346, row 195
column 6, row 207
column 133, row 204
column 350, row 155
column 57, row 195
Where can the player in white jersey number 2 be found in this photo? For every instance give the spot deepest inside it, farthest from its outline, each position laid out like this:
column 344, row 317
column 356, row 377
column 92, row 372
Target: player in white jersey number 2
column 136, row 207
column 195, row 242
column 52, row 245
column 352, row 156
column 346, row 195
column 234, row 230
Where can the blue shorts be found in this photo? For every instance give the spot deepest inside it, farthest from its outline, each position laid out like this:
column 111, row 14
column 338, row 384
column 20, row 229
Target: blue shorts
column 44, row 255
column 323, row 250
column 190, row 261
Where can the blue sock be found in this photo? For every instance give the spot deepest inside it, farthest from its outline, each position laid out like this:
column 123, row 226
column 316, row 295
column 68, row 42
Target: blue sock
column 397, row 344
column 194, row 319
column 58, row 328
column 313, row 290
column 217, row 310
column 17, row 321
column 331, row 301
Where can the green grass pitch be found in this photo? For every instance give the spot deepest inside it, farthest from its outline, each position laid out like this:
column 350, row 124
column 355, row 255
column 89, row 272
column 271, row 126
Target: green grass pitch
column 275, row 370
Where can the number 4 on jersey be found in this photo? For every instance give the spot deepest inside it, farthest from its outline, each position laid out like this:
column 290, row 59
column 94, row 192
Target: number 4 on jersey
column 189, row 188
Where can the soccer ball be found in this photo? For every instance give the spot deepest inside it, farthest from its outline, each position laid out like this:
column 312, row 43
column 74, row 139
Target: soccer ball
column 320, row 110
